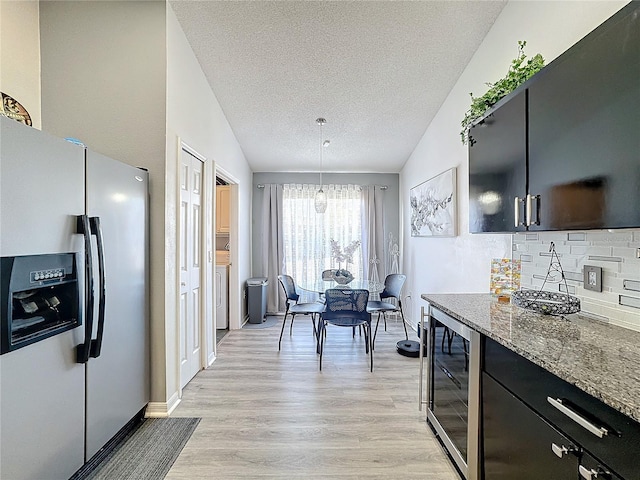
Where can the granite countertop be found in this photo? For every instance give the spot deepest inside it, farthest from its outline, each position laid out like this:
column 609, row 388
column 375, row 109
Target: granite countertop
column 601, row 359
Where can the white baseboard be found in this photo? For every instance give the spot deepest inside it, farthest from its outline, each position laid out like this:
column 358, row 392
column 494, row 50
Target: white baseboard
column 162, row 409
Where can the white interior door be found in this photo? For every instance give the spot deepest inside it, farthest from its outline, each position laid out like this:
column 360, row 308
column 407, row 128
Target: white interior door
column 191, row 304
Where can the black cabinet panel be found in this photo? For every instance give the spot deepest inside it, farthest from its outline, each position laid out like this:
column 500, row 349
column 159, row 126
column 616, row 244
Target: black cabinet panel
column 497, row 167
column 568, row 139
column 619, row 449
column 584, row 119
column 518, row 443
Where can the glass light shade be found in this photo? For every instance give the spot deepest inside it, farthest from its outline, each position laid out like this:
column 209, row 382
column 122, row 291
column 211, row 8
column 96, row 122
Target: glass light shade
column 321, row 201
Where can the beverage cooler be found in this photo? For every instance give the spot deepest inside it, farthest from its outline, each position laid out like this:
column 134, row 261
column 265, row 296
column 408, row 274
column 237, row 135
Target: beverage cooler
column 74, row 366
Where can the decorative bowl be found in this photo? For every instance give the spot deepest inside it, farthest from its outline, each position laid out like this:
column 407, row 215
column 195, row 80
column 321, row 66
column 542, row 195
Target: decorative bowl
column 342, row 277
column 547, row 303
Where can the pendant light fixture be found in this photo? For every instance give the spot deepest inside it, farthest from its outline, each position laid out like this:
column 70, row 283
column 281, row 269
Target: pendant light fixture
column 321, row 197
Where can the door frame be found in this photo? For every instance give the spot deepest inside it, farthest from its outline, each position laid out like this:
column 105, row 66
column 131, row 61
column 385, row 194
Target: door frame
column 234, row 282
column 206, row 273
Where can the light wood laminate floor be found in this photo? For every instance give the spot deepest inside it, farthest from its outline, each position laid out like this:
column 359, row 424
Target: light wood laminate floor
column 270, row 414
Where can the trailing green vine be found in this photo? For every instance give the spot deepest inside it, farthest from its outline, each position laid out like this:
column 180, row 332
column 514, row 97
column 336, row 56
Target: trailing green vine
column 519, row 71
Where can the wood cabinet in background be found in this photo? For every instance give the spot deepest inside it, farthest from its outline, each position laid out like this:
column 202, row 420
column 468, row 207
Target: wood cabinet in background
column 223, row 207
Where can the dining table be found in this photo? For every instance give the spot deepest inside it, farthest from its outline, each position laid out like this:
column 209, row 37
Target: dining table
column 320, row 285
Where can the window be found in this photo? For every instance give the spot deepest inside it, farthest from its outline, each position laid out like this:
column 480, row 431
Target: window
column 307, row 234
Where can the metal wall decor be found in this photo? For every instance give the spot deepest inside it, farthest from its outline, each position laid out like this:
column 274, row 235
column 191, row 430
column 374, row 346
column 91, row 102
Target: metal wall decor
column 548, row 303
column 11, row 108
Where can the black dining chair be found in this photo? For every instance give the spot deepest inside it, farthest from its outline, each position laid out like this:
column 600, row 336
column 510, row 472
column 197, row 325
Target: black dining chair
column 294, row 308
column 329, row 274
column 392, row 287
column 346, row 308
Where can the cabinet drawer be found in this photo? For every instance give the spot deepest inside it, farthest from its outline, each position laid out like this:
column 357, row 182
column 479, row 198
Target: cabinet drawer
column 618, row 449
column 519, row 444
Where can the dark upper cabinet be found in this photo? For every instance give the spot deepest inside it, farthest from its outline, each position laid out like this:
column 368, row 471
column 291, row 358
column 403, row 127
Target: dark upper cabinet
column 584, row 131
column 580, row 149
column 497, row 167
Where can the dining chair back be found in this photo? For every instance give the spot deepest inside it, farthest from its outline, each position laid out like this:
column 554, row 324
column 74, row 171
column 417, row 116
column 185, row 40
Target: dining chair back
column 294, row 308
column 329, row 274
column 393, row 284
column 346, row 307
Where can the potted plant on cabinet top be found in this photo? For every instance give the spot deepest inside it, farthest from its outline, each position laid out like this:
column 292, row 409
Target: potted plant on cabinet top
column 519, row 72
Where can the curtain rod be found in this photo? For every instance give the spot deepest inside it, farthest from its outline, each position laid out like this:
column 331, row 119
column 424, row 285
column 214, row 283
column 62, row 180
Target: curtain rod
column 382, row 187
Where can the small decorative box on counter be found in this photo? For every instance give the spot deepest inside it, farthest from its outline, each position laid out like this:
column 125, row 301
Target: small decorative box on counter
column 505, row 276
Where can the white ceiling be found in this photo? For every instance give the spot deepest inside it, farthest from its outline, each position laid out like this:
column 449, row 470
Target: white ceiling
column 378, row 71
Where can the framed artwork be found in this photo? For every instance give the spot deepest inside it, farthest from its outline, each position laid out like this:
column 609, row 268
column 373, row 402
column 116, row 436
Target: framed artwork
column 433, row 206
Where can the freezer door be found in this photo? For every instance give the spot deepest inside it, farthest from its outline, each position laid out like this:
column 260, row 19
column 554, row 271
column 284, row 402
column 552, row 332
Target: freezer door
column 41, row 385
column 41, row 191
column 118, row 378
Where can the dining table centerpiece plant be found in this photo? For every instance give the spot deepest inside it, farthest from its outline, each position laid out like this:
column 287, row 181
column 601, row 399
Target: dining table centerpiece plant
column 340, row 255
column 519, row 71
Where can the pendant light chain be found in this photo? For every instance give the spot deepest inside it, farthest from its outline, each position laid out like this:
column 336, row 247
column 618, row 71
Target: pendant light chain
column 320, row 122
column 321, row 196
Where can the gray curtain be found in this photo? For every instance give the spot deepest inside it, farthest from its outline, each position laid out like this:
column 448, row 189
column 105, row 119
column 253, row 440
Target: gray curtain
column 272, row 245
column 373, row 242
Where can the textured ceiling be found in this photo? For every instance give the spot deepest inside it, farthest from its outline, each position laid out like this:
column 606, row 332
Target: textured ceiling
column 377, row 71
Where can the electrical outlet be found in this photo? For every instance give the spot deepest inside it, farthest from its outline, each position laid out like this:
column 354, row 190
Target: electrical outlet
column 592, row 278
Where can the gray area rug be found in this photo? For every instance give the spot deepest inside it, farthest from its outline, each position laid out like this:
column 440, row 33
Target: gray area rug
column 149, row 452
column 269, row 322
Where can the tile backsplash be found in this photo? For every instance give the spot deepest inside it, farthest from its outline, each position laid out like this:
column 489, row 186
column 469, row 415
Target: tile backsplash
column 616, row 252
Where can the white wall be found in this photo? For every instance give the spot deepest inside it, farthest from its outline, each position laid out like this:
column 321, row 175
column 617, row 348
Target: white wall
column 195, row 117
column 462, row 264
column 104, row 82
column 20, row 55
column 121, row 77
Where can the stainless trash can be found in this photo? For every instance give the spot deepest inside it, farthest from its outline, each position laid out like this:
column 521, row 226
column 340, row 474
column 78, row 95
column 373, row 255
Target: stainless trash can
column 257, row 299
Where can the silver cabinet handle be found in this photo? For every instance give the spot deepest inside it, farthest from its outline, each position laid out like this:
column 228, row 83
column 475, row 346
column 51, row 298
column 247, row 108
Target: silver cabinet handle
column 516, row 211
column 590, row 473
column 599, row 432
column 587, row 473
column 560, row 451
column 529, row 210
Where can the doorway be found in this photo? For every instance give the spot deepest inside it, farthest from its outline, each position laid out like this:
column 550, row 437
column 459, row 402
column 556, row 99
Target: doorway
column 223, row 257
column 226, row 245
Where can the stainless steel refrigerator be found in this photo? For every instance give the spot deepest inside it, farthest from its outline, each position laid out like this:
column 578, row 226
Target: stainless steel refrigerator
column 74, row 368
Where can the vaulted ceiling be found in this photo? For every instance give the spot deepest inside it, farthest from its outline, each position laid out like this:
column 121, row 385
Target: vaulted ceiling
column 378, row 71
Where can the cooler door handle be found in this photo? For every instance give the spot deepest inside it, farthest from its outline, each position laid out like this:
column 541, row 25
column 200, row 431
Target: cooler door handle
column 82, row 350
column 96, row 229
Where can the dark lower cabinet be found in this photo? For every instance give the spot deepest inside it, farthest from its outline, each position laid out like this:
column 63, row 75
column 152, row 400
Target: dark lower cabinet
column 519, row 444
column 537, row 426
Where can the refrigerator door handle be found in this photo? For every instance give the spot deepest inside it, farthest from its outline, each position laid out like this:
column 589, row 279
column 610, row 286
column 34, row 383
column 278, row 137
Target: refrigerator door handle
column 96, row 230
column 83, row 228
